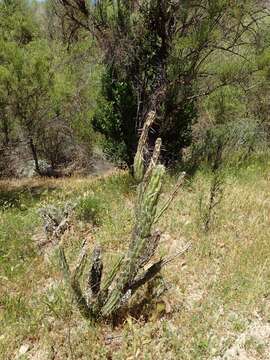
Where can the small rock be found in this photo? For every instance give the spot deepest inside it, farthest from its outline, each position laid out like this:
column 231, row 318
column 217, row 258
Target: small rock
column 23, row 350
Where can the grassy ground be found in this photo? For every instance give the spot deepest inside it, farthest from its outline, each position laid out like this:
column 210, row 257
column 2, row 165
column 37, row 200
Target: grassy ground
column 216, row 292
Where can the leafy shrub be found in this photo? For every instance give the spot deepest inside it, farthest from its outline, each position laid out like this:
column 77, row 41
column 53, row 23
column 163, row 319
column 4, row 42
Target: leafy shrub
column 89, row 209
column 116, row 118
column 236, row 140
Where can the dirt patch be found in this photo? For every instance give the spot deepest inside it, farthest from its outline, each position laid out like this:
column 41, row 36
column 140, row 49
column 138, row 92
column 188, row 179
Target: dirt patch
column 101, row 166
column 253, row 344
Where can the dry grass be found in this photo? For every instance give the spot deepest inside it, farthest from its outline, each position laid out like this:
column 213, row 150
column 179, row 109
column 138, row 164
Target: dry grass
column 215, row 293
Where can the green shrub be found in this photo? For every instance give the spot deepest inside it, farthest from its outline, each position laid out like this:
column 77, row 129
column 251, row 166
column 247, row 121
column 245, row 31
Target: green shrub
column 89, row 209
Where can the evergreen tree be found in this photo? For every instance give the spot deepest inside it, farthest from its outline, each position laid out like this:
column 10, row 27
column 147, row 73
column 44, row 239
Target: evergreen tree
column 156, row 53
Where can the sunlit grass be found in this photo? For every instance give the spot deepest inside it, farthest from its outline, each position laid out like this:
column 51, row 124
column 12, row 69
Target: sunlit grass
column 215, row 292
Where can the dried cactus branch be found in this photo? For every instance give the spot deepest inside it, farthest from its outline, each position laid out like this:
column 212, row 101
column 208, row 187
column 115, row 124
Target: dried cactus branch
column 154, row 159
column 155, row 269
column 55, row 221
column 95, row 273
column 61, row 228
column 139, row 161
column 151, row 246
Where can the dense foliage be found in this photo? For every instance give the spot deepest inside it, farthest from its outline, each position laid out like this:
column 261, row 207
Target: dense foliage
column 46, row 93
column 164, row 56
column 68, row 67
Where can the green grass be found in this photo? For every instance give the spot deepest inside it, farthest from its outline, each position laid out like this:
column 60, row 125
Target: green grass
column 215, row 292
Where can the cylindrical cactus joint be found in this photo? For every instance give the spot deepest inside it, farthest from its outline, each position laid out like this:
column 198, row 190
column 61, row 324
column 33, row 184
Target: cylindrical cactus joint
column 149, row 201
column 139, row 166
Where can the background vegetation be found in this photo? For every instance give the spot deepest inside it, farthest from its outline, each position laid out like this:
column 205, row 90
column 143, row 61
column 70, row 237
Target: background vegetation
column 71, row 71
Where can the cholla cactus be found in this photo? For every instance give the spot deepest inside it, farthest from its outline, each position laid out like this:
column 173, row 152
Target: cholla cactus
column 55, row 222
column 129, row 273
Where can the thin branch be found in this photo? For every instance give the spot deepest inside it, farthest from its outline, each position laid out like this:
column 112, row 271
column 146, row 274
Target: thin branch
column 171, row 197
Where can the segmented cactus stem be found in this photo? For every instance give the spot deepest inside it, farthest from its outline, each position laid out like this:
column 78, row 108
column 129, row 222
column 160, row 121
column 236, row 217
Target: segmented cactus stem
column 139, row 161
column 128, row 274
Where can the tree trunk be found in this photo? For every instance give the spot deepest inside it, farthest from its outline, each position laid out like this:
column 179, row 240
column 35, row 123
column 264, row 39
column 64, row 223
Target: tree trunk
column 5, row 129
column 35, row 157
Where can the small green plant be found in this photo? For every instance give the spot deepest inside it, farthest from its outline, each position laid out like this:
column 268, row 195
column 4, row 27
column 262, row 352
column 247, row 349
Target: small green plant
column 89, row 209
column 207, row 207
column 104, row 299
